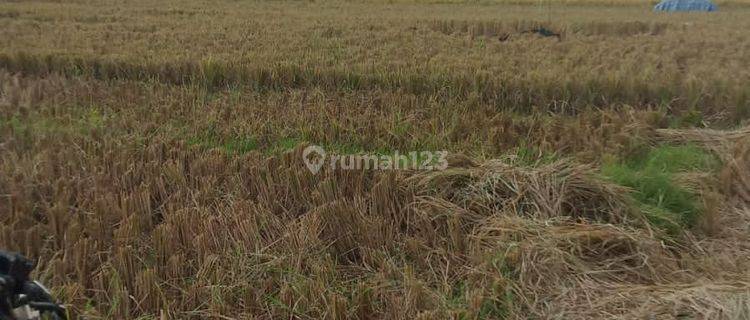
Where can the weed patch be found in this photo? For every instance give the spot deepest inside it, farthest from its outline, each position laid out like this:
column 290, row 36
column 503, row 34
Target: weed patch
column 652, row 178
column 238, row 144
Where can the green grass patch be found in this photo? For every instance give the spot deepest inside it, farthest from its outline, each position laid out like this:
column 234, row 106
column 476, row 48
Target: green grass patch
column 493, row 306
column 238, row 144
column 283, row 145
column 651, row 176
column 529, row 155
column 80, row 121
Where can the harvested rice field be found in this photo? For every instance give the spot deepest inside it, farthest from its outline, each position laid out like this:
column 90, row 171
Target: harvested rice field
column 563, row 159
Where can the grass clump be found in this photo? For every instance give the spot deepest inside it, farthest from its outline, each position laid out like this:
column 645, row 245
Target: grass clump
column 530, row 155
column 651, row 176
column 238, row 144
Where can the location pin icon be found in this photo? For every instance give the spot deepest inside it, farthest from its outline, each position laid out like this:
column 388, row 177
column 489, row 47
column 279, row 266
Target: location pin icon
column 314, row 157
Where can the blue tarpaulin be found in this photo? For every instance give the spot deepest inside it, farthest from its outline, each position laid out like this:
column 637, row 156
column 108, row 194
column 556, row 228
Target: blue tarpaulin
column 685, row 5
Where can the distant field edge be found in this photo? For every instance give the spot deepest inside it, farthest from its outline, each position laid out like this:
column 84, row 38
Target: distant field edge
column 506, row 91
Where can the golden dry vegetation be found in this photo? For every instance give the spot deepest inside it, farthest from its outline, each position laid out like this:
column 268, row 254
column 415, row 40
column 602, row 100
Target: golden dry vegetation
column 151, row 158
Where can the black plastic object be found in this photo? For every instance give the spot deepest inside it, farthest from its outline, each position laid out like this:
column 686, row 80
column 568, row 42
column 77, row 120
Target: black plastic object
column 18, row 291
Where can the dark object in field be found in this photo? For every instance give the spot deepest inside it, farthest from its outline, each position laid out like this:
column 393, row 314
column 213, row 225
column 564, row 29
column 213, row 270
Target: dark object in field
column 503, row 37
column 21, row 298
column 544, row 32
